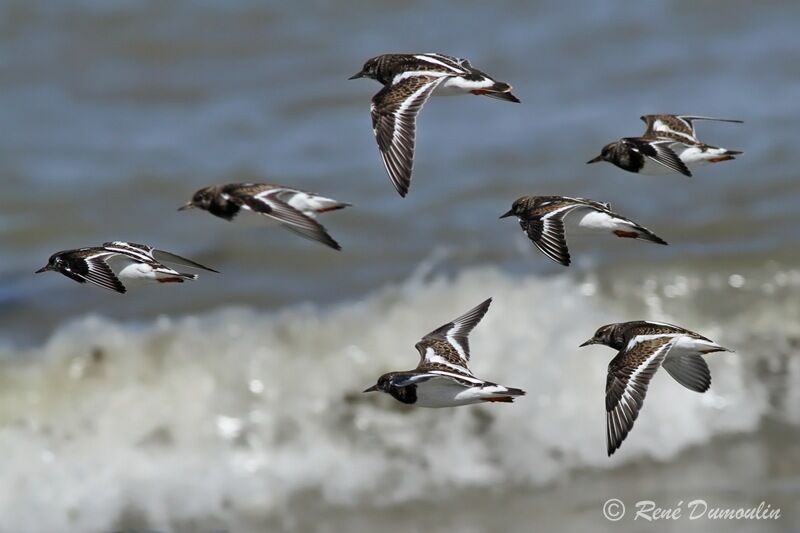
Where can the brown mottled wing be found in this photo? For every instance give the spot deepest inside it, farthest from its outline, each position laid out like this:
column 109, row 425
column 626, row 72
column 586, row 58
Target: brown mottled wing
column 629, row 374
column 650, row 327
column 456, row 64
column 447, row 347
column 600, row 206
column 394, row 120
column 439, row 355
column 268, row 203
column 677, row 126
column 659, row 125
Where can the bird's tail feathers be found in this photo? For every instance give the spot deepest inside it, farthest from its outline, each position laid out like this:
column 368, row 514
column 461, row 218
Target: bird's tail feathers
column 718, row 155
column 503, row 394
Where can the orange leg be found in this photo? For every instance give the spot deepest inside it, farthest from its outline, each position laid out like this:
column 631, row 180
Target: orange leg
column 721, row 158
column 504, row 399
column 712, row 350
column 326, row 209
column 625, row 234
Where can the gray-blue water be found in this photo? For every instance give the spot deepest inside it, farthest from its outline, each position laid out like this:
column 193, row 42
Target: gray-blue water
column 114, row 113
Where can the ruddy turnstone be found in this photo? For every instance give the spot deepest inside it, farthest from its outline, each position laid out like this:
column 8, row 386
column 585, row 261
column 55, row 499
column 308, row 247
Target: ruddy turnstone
column 114, row 262
column 442, row 378
column 408, row 81
column 294, row 209
column 668, row 145
column 542, row 220
column 643, row 347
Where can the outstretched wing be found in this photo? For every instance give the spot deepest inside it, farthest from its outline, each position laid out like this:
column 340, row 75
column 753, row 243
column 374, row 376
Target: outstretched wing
column 140, row 252
column 668, row 125
column 269, row 203
column 629, row 374
column 676, row 125
column 167, row 257
column 394, row 120
column 148, row 254
column 547, row 233
column 94, row 269
column 447, row 347
column 659, row 151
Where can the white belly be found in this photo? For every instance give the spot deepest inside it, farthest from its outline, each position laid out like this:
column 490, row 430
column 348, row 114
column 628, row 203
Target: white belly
column 690, row 346
column 439, row 394
column 595, row 220
column 136, row 272
column 130, row 271
column 693, row 155
column 308, row 204
column 456, row 85
column 588, row 220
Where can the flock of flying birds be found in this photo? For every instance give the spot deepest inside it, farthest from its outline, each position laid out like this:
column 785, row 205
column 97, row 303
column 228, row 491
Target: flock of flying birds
column 442, row 378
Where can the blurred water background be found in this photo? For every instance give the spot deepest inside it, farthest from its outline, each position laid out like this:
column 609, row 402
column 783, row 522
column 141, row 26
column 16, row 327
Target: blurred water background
column 232, row 403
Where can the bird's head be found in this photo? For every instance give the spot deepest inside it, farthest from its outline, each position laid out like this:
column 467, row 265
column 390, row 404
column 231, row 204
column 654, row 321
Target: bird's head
column 609, row 335
column 55, row 263
column 369, row 70
column 518, row 208
column 201, row 199
column 606, row 154
column 384, row 384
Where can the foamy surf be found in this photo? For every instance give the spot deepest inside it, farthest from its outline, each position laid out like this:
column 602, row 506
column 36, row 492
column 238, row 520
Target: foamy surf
column 236, row 414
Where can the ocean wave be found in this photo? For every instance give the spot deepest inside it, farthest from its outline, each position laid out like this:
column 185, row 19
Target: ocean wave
column 236, row 413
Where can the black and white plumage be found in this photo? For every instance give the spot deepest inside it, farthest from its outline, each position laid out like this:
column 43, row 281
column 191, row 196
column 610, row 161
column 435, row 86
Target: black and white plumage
column 294, row 209
column 669, row 145
column 542, row 219
column 645, row 346
column 409, row 80
column 678, row 127
column 442, row 377
column 116, row 262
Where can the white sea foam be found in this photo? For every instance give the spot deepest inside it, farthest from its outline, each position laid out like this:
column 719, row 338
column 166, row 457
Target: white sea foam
column 235, row 413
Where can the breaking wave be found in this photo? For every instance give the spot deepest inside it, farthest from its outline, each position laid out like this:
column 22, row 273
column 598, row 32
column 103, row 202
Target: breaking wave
column 236, row 413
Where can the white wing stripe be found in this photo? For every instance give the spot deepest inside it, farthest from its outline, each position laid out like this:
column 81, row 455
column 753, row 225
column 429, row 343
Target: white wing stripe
column 627, row 395
column 435, row 61
column 642, row 338
column 556, row 211
column 457, row 345
column 658, row 125
column 416, row 73
column 469, row 378
column 400, row 126
column 432, row 357
column 135, row 253
column 264, row 195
